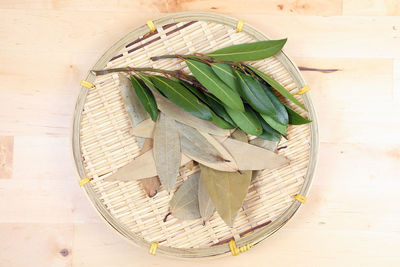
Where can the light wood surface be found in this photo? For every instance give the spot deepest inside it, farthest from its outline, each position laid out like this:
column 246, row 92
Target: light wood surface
column 352, row 216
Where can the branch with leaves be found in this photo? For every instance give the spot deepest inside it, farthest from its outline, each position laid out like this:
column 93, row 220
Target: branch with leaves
column 221, row 93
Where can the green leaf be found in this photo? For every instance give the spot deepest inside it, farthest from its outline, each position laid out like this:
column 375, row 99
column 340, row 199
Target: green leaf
column 146, row 80
column 249, row 51
column 179, row 95
column 274, row 124
column 195, row 91
column 295, row 118
column 247, row 121
column 219, row 111
column 206, row 76
column 226, row 74
column 175, row 112
column 145, row 97
column 281, row 113
column 277, row 86
column 215, row 118
column 268, row 132
column 184, row 204
column 221, row 122
column 253, row 93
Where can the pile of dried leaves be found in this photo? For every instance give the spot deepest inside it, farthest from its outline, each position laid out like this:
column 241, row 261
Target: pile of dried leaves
column 205, row 118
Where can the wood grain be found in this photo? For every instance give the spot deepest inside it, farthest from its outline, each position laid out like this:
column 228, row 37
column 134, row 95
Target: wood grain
column 351, row 217
column 371, row 7
column 6, row 156
column 309, row 7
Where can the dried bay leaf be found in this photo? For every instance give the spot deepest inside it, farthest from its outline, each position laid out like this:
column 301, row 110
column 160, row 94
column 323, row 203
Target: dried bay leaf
column 193, row 143
column 140, row 168
column 250, row 157
column 206, row 206
column 144, row 129
column 151, row 185
column 178, row 114
column 133, row 107
column 166, row 150
column 184, row 204
column 227, row 190
column 270, row 145
column 228, row 164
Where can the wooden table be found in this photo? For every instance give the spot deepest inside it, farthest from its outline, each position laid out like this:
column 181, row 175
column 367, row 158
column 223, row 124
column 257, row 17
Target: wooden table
column 350, row 51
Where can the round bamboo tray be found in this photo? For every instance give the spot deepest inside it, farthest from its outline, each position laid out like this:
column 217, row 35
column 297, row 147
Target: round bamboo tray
column 102, row 143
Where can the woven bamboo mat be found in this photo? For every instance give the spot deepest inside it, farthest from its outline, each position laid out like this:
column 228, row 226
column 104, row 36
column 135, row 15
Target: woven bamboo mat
column 105, row 145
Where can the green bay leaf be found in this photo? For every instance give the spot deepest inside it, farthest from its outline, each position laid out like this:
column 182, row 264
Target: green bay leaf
column 281, row 113
column 277, row 86
column 145, row 97
column 295, row 118
column 268, row 133
column 247, row 121
column 249, row 51
column 182, row 97
column 254, row 94
column 226, row 74
column 206, row 76
column 281, row 128
column 220, row 121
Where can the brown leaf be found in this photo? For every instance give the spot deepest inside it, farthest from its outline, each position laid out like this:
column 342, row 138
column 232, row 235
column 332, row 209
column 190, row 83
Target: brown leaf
column 144, row 129
column 185, row 204
column 140, row 168
column 227, row 190
column 166, row 151
column 270, row 145
column 206, row 205
column 151, row 185
column 250, row 157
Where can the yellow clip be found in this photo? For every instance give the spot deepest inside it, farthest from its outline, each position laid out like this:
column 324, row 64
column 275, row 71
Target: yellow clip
column 244, row 248
column 239, row 26
column 235, row 251
column 232, row 245
column 153, row 248
column 303, row 90
column 151, row 25
column 87, row 84
column 84, row 181
column 300, row 198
